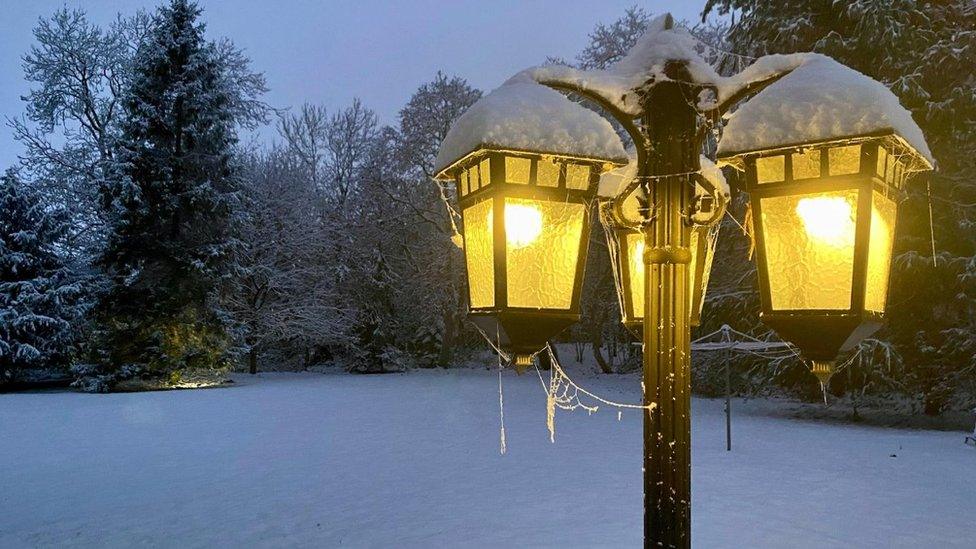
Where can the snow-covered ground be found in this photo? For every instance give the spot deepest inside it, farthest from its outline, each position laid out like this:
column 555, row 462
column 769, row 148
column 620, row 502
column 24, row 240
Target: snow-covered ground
column 412, row 461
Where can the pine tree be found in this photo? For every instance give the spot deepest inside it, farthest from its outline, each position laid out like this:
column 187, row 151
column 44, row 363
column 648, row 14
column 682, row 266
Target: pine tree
column 38, row 296
column 172, row 198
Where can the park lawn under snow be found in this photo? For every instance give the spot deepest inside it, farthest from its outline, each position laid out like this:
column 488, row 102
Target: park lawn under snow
column 412, row 461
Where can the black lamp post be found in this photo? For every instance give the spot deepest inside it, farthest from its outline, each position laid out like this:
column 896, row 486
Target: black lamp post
column 824, row 207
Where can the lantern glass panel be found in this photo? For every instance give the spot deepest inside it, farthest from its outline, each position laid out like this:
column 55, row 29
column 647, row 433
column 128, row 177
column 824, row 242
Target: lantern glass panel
column 484, row 169
column 806, row 165
column 882, row 160
column 844, row 160
column 547, row 173
column 478, row 254
column 542, row 251
column 462, row 184
column 771, row 169
column 577, row 177
column 635, row 270
column 517, row 170
column 879, row 252
column 809, row 248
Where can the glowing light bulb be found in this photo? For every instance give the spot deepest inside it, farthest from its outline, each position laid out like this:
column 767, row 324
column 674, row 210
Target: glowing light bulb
column 523, row 224
column 828, row 219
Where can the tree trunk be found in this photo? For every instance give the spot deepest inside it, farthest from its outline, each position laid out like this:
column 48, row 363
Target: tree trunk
column 252, row 361
column 597, row 345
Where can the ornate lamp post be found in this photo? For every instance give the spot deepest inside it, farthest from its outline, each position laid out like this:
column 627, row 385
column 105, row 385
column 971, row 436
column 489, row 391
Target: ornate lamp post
column 666, row 98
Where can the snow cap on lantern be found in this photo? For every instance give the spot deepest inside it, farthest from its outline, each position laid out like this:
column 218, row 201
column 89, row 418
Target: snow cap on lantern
column 826, row 152
column 533, row 154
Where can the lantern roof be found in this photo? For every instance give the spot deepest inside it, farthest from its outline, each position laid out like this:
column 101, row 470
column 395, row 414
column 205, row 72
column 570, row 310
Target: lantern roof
column 820, row 101
column 522, row 115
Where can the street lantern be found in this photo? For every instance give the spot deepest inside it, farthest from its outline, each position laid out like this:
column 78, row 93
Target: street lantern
column 824, row 219
column 525, row 267
column 622, row 218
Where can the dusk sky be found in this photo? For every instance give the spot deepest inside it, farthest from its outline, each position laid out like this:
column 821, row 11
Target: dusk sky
column 329, row 52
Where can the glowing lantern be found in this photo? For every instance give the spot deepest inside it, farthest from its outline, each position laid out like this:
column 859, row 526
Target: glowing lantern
column 525, row 266
column 622, row 219
column 824, row 220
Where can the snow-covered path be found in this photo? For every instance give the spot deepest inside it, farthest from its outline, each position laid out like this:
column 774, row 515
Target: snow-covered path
column 412, row 461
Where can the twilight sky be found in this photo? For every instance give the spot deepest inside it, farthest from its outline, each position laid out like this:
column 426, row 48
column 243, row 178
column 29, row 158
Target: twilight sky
column 330, row 51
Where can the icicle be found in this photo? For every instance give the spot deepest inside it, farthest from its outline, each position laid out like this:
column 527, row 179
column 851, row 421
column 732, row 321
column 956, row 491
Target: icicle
column 619, row 414
column 928, row 188
column 501, row 413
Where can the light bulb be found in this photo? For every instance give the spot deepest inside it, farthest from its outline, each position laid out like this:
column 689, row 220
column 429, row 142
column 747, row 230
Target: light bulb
column 523, row 224
column 828, row 219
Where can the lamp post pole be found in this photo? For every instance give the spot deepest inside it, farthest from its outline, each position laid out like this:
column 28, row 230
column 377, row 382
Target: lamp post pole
column 671, row 155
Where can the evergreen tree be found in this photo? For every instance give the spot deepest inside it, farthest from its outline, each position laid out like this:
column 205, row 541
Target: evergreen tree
column 172, row 199
column 38, row 298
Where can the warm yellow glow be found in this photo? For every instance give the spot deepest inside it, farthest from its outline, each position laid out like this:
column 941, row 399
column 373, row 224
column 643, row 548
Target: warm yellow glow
column 479, row 254
column 879, row 252
column 635, row 255
column 809, row 249
column 542, row 251
column 827, row 219
column 523, row 224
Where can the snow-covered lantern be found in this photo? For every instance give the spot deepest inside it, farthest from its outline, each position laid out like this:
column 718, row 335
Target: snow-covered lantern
column 529, row 152
column 622, row 217
column 824, row 179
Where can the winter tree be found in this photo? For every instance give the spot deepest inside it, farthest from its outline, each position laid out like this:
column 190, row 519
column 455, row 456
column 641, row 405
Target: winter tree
column 172, row 201
column 38, row 293
column 79, row 72
column 284, row 294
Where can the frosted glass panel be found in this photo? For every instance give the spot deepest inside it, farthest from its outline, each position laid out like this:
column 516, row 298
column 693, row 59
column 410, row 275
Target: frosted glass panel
column 485, row 171
column 635, row 269
column 809, row 245
column 478, row 254
column 474, row 179
column 462, row 184
column 879, row 252
column 807, row 164
column 844, row 160
column 517, row 170
column 547, row 173
column 882, row 159
column 771, row 169
column 577, row 177
column 542, row 251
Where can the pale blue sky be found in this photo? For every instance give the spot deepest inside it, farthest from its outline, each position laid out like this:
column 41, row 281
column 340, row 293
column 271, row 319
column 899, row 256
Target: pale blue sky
column 329, row 52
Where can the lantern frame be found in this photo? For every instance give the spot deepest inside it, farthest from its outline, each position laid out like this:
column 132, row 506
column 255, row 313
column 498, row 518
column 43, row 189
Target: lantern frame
column 520, row 330
column 821, row 334
column 620, row 227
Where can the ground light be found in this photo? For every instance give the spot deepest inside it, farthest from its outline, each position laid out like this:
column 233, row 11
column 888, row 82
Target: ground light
column 825, row 149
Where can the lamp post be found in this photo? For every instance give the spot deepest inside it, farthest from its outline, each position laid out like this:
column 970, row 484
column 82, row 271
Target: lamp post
column 666, row 98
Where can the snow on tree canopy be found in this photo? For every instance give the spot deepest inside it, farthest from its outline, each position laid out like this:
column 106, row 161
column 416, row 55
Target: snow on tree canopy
column 523, row 115
column 819, row 101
